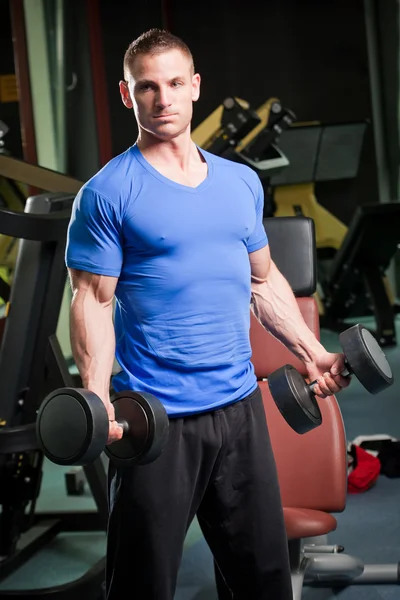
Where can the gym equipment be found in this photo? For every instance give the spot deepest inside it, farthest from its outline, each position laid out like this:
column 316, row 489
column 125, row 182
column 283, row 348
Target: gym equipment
column 31, row 365
column 4, row 129
column 72, row 427
column 298, row 268
column 351, row 260
column 354, row 283
column 294, row 397
column 226, row 126
column 312, row 469
column 75, row 482
column 317, row 153
column 259, row 148
column 38, row 177
column 238, row 133
column 308, row 154
column 13, row 196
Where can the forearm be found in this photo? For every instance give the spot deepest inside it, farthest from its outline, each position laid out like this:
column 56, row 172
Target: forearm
column 275, row 306
column 93, row 341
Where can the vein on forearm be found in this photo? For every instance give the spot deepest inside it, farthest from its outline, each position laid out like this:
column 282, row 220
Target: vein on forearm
column 275, row 307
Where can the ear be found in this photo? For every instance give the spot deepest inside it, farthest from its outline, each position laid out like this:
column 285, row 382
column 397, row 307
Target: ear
column 125, row 95
column 196, row 87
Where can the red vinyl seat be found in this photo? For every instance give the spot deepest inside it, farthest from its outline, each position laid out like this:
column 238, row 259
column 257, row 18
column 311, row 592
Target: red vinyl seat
column 312, row 468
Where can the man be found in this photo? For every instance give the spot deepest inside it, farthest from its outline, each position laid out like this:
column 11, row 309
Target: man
column 176, row 235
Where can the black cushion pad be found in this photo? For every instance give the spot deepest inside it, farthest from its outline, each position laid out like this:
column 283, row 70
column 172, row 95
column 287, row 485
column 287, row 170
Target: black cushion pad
column 293, row 250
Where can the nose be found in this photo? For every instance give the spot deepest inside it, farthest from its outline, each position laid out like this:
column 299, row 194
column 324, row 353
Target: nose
column 162, row 98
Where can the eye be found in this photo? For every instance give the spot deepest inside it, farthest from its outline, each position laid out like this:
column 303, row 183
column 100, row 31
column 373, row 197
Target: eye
column 145, row 87
column 176, row 84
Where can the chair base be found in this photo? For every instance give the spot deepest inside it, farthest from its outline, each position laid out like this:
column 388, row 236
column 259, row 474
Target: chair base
column 320, row 565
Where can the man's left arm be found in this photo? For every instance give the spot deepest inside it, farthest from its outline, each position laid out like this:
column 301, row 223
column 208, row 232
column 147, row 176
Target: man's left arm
column 275, row 306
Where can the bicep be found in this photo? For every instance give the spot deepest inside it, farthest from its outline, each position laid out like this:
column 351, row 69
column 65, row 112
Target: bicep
column 260, row 264
column 100, row 287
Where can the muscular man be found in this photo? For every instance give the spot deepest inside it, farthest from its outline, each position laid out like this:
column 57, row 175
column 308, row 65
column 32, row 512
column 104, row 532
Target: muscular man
column 175, row 234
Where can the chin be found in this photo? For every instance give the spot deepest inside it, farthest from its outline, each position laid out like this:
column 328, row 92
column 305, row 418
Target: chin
column 169, row 133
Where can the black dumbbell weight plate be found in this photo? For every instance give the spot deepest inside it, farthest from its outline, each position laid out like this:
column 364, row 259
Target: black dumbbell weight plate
column 148, row 429
column 295, row 401
column 365, row 358
column 72, row 426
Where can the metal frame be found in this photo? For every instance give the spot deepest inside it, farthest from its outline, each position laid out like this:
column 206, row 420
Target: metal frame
column 38, row 262
column 382, row 133
column 31, row 364
column 355, row 281
column 23, row 79
column 315, row 563
column 100, row 94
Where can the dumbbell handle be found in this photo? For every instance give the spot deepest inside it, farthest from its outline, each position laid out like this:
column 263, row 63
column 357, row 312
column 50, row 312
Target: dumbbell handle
column 124, row 425
column 345, row 373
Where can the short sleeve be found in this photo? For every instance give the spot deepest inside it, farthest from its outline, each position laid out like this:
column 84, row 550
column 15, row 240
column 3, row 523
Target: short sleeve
column 94, row 240
column 258, row 238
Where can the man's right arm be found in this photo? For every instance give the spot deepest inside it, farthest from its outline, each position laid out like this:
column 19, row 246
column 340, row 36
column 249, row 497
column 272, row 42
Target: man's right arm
column 93, row 337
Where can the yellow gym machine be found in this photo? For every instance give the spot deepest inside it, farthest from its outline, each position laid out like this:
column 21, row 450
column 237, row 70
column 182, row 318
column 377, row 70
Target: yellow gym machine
column 237, row 132
column 259, row 132
column 290, row 159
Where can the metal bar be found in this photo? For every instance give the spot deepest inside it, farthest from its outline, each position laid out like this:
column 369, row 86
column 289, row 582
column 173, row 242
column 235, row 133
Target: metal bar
column 23, row 80
column 380, row 135
column 84, row 520
column 18, row 439
column 379, row 574
column 87, row 587
column 100, row 93
column 37, row 228
column 31, row 314
column 42, row 82
column 39, row 177
column 31, row 542
column 383, row 309
column 375, row 75
column 58, row 363
column 96, row 477
column 60, row 92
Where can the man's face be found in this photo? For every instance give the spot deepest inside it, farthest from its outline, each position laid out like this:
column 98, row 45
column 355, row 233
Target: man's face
column 161, row 89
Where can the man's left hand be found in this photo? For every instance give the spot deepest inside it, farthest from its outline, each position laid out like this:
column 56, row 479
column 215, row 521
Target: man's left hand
column 326, row 369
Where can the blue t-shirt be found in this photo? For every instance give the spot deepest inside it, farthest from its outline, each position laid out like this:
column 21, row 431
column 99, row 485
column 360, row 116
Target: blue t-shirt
column 182, row 313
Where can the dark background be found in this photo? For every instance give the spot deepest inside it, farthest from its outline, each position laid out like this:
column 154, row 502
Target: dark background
column 9, row 111
column 311, row 55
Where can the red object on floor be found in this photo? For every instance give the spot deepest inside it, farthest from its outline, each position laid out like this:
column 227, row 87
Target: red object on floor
column 365, row 473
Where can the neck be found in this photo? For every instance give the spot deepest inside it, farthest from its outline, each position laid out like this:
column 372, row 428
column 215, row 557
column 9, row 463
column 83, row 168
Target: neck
column 179, row 150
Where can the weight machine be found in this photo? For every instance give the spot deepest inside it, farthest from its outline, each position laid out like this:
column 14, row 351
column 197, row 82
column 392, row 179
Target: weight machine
column 13, row 195
column 353, row 260
column 32, row 364
column 236, row 132
column 290, row 159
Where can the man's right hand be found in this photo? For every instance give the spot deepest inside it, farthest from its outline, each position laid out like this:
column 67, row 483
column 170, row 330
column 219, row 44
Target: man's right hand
column 115, row 431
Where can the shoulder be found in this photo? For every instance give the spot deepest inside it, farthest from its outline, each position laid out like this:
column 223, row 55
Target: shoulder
column 114, row 184
column 232, row 169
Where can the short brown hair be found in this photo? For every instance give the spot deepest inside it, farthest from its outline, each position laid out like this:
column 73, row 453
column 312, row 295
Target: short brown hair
column 154, row 41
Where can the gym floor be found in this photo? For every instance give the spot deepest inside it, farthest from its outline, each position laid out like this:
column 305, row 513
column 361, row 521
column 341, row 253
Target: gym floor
column 369, row 527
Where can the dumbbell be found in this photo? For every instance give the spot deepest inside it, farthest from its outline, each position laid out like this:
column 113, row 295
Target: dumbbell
column 295, row 398
column 72, row 427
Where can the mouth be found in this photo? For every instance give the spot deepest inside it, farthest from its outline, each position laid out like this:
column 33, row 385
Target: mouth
column 164, row 116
